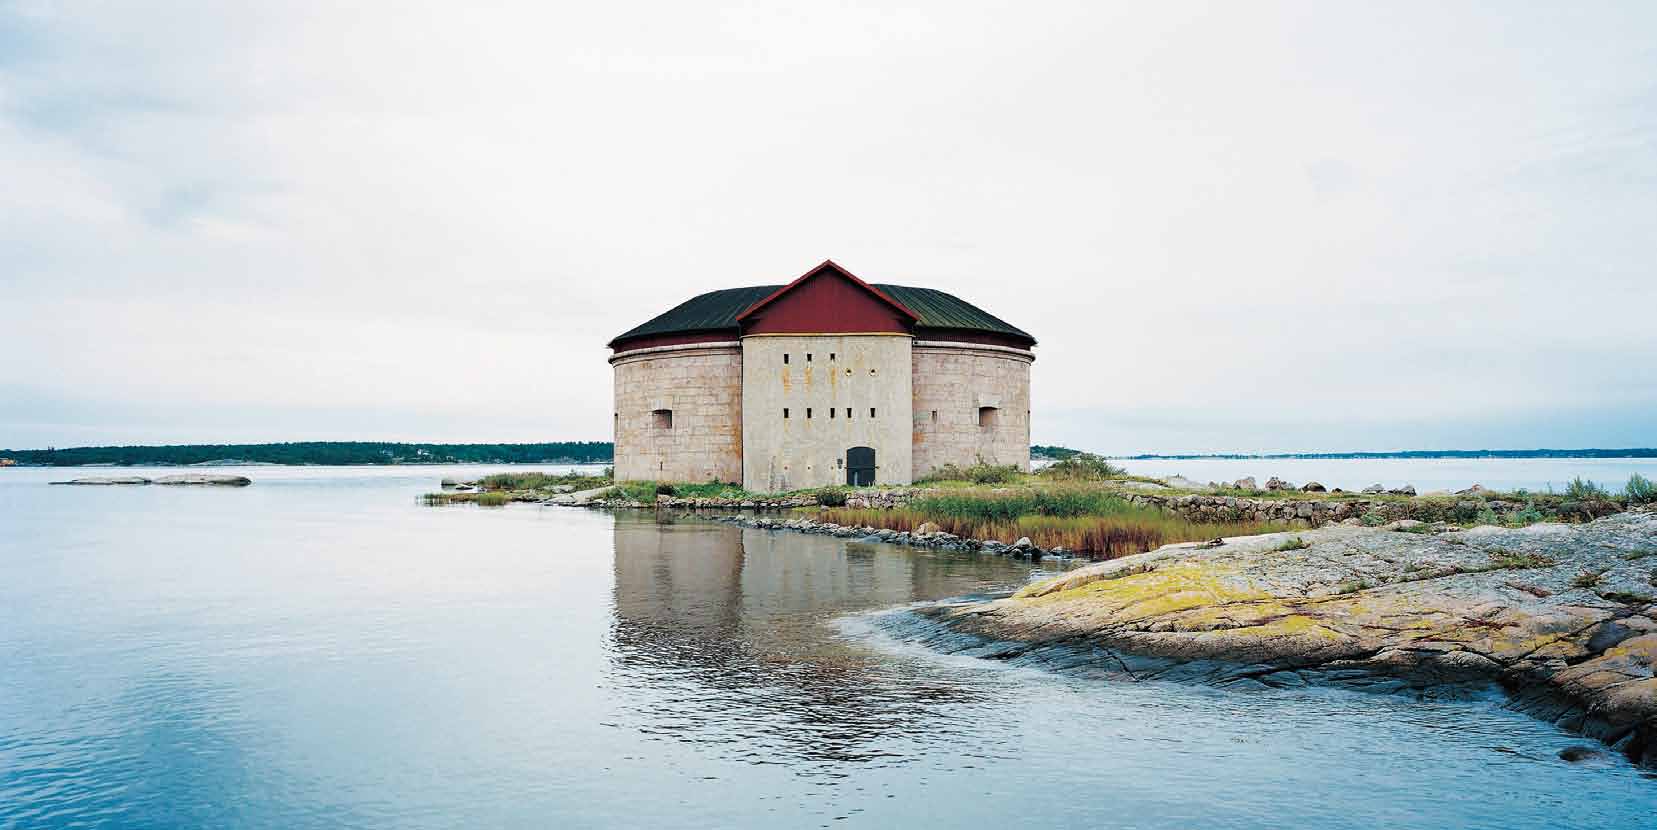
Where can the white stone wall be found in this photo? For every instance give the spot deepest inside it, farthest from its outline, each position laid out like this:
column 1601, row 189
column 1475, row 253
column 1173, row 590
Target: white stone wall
column 867, row 371
column 951, row 384
column 702, row 386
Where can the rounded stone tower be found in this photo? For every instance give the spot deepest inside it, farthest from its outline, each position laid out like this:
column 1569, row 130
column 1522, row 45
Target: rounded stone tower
column 826, row 380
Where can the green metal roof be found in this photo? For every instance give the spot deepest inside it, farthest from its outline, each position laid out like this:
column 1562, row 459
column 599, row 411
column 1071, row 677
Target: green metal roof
column 718, row 310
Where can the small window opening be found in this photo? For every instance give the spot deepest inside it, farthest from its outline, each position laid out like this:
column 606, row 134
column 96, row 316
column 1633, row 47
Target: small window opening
column 785, row 358
column 934, row 416
column 831, row 413
column 871, row 412
column 871, row 371
column 808, row 412
column 831, row 357
column 785, row 412
column 848, row 412
column 848, row 372
column 808, row 357
column 987, row 417
column 662, row 418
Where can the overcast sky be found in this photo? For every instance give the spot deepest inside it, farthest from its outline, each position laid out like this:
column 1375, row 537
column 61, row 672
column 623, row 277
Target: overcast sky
column 1237, row 226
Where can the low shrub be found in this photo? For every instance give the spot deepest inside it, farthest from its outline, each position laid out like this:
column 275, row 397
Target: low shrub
column 831, row 497
column 665, row 489
column 979, row 473
column 1581, row 488
column 1082, row 467
column 1640, row 490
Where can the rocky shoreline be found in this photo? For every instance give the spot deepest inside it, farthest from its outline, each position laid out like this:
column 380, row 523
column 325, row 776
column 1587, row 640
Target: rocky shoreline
column 1562, row 618
column 921, row 538
column 180, row 480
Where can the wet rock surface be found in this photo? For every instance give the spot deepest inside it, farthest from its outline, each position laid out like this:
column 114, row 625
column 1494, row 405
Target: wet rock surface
column 1560, row 617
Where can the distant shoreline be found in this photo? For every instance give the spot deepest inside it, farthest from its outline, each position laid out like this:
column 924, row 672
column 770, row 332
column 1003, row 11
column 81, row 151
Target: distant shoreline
column 313, row 454
column 1636, row 452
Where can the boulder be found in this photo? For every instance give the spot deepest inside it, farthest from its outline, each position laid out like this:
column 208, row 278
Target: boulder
column 1024, row 543
column 1375, row 489
column 1406, row 490
column 1475, row 490
column 1245, row 483
column 1313, row 487
column 1275, row 483
column 926, row 528
column 204, row 480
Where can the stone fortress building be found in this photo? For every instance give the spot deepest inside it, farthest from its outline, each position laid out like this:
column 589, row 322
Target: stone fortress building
column 826, row 380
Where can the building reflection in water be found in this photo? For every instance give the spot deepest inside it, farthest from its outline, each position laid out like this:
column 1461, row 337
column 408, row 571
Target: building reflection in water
column 725, row 636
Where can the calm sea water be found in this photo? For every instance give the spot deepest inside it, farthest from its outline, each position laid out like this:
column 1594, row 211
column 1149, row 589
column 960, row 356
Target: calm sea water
column 319, row 651
column 1427, row 474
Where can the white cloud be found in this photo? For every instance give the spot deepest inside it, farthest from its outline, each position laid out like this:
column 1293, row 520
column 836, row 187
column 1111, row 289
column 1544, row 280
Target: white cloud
column 1224, row 223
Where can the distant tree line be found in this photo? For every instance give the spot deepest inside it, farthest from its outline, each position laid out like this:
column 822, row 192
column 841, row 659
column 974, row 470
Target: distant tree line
column 1055, row 453
column 323, row 452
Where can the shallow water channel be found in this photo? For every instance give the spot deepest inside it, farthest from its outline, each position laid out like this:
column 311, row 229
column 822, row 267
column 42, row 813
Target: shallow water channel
column 319, row 650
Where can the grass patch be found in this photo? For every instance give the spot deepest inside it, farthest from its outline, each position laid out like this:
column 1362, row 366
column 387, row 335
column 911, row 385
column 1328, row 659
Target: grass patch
column 540, row 481
column 1587, row 579
column 639, row 491
column 1504, row 559
column 1420, row 528
column 485, row 499
column 1010, row 505
column 1123, row 531
column 831, row 497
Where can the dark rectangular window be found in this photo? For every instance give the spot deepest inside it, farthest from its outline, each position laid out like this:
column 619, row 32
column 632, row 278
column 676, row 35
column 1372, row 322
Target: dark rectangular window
column 662, row 418
column 785, row 412
column 808, row 357
column 808, row 412
column 785, row 358
column 934, row 416
column 848, row 412
column 831, row 412
column 871, row 412
column 831, row 357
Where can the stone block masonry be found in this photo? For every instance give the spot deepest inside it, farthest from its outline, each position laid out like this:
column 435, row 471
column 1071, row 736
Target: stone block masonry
column 678, row 414
column 971, row 402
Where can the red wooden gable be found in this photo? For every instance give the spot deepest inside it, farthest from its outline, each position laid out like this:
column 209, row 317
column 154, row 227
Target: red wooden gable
column 827, row 299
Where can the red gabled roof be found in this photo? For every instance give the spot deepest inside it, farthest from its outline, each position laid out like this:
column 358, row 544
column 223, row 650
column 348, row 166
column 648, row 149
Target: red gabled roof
column 828, row 265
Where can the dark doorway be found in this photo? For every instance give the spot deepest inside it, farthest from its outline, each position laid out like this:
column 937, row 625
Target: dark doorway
column 860, row 466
